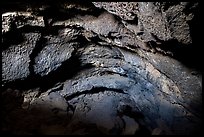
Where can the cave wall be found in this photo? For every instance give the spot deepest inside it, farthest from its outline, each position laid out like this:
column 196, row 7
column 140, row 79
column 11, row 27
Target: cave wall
column 101, row 68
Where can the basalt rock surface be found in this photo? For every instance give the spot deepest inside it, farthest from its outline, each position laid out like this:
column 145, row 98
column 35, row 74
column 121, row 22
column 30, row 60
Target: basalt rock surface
column 113, row 68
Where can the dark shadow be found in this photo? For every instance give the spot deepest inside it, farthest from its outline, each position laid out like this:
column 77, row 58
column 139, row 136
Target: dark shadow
column 190, row 55
column 67, row 70
column 94, row 90
column 15, row 34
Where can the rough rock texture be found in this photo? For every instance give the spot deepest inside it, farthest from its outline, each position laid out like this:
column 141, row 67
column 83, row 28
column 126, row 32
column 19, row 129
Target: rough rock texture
column 15, row 59
column 159, row 19
column 113, row 68
column 53, row 55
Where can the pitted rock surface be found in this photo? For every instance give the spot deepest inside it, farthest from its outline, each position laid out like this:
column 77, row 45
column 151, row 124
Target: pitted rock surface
column 92, row 68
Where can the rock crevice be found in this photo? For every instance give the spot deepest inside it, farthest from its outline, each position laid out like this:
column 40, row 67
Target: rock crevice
column 116, row 68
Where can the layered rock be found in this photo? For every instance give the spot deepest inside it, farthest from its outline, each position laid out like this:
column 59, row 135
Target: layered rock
column 102, row 70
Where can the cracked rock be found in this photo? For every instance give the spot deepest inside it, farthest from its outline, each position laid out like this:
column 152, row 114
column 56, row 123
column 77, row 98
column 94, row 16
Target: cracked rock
column 16, row 60
column 164, row 24
column 92, row 68
column 53, row 55
column 20, row 19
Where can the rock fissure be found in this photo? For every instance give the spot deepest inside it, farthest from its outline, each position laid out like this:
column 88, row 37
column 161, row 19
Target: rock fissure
column 94, row 90
column 116, row 68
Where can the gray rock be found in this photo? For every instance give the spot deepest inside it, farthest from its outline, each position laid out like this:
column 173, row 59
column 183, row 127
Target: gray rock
column 20, row 19
column 102, row 25
column 164, row 24
column 131, row 126
column 15, row 59
column 53, row 55
column 90, row 110
column 120, row 84
column 52, row 103
column 125, row 10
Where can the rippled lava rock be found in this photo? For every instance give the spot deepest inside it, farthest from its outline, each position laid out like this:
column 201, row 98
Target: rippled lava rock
column 114, row 68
